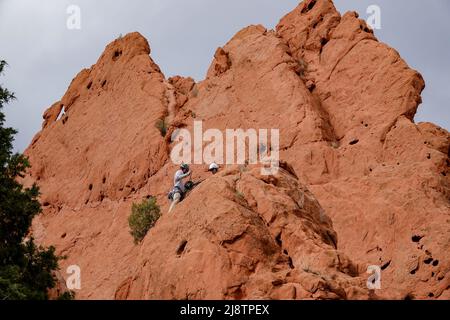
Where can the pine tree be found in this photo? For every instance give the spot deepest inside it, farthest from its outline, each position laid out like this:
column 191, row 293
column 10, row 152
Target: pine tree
column 26, row 270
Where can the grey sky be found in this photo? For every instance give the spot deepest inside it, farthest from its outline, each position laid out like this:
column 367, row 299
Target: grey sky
column 44, row 55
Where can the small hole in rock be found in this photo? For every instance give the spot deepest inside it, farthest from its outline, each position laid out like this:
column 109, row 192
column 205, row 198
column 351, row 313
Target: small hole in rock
column 181, row 247
column 435, row 263
column 277, row 282
column 104, row 180
column 117, row 55
column 323, row 42
column 103, row 83
column 429, row 156
column 365, row 28
column 353, row 142
column 90, row 186
column 63, row 235
column 416, row 238
column 89, row 85
column 431, row 295
column 387, row 264
column 278, row 240
column 291, row 264
column 309, row 7
column 428, row 260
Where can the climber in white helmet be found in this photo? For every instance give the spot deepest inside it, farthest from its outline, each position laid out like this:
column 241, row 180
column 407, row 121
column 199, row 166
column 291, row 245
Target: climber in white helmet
column 177, row 194
column 213, row 167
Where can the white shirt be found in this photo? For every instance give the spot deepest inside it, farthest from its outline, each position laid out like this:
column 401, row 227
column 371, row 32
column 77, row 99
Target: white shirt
column 178, row 179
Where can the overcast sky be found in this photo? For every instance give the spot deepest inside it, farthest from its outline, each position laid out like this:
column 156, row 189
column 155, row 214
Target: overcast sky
column 44, row 55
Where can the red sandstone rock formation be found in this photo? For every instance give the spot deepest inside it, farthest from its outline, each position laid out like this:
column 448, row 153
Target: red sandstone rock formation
column 367, row 185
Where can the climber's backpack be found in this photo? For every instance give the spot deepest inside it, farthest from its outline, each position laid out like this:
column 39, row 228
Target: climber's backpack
column 189, row 185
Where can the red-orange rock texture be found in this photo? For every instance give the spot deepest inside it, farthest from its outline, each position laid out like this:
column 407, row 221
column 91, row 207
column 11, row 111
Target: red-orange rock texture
column 361, row 184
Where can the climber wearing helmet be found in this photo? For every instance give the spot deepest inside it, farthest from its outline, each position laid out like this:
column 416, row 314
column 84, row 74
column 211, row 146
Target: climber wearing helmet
column 177, row 194
column 213, row 168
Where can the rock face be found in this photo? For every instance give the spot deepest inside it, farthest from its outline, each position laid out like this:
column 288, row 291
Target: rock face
column 364, row 186
column 254, row 237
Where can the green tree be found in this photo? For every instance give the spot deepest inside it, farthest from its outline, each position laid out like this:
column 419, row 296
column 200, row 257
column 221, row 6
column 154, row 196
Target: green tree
column 26, row 270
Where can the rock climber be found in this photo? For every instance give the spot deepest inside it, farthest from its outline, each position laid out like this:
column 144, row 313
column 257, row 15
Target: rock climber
column 213, row 168
column 177, row 194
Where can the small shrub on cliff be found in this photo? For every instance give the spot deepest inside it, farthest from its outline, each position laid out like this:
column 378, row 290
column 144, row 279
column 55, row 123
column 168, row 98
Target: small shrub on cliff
column 143, row 217
column 68, row 295
column 302, row 67
column 240, row 195
column 161, row 125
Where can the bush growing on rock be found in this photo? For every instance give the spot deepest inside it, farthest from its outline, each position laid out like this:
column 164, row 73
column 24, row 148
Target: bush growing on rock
column 161, row 125
column 143, row 217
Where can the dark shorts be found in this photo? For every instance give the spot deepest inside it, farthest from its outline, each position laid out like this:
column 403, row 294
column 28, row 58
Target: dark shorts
column 176, row 190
